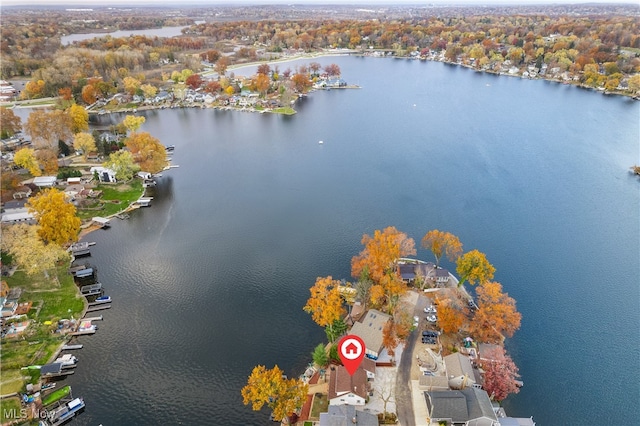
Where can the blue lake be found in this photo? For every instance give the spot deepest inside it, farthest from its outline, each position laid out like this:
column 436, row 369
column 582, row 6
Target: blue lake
column 210, row 281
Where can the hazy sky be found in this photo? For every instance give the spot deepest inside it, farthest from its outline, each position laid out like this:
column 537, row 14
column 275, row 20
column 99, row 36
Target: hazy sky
column 89, row 4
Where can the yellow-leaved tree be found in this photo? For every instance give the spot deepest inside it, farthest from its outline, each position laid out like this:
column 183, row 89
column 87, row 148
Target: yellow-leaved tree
column 132, row 123
column 79, row 118
column 84, row 142
column 270, row 387
column 473, row 266
column 325, row 305
column 57, row 220
column 26, row 158
column 29, row 251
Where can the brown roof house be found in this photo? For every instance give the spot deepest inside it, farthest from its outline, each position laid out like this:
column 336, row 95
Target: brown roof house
column 345, row 389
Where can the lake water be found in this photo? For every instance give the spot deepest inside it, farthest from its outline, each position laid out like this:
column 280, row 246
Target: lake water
column 152, row 32
column 211, row 280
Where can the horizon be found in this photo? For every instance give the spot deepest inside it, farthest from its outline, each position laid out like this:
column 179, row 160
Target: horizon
column 120, row 3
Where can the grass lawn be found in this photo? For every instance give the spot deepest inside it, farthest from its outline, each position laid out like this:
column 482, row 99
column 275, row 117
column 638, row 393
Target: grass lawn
column 10, row 409
column 285, row 111
column 11, row 382
column 57, row 298
column 115, row 198
column 320, row 405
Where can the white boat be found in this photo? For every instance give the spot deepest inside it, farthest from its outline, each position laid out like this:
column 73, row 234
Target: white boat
column 103, row 299
column 320, row 142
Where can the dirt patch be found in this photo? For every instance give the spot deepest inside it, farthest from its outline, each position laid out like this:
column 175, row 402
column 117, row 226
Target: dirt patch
column 124, row 187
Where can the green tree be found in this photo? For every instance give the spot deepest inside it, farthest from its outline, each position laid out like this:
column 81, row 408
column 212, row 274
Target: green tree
column 320, row 356
column 121, row 162
column 57, row 220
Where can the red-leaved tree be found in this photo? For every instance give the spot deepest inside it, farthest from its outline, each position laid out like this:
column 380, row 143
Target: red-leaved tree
column 500, row 374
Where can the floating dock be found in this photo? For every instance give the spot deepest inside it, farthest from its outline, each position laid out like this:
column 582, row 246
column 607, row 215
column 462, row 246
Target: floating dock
column 98, row 302
column 71, row 347
column 98, row 308
column 98, row 318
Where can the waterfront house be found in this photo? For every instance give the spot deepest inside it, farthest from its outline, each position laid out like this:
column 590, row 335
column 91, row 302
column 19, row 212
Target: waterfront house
column 343, row 415
column 442, row 276
column 466, row 407
column 104, row 174
column 345, row 389
column 369, row 329
column 459, row 371
column 44, row 181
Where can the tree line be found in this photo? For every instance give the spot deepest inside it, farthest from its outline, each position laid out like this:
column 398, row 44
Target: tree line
column 597, row 49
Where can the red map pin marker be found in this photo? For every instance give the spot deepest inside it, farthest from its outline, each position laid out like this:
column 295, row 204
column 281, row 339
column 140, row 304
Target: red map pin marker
column 351, row 350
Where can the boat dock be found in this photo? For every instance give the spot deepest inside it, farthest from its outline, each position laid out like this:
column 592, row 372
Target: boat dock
column 102, row 222
column 98, row 307
column 71, row 347
column 99, row 318
column 91, row 289
column 98, row 302
column 65, row 412
column 83, row 332
column 80, row 249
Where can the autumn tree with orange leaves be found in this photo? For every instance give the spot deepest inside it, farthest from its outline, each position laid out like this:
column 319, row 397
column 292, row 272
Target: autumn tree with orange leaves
column 496, row 316
column 147, row 152
column 441, row 242
column 396, row 330
column 325, row 305
column 450, row 317
column 270, row 387
column 378, row 258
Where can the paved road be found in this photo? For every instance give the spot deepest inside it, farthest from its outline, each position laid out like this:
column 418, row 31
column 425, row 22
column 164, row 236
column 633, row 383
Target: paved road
column 404, row 406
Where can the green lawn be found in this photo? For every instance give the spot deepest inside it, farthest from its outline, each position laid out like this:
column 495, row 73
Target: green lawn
column 320, row 405
column 57, row 298
column 285, row 111
column 115, row 198
column 10, row 409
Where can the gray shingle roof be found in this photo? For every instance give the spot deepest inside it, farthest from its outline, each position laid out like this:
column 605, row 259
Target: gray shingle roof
column 370, row 330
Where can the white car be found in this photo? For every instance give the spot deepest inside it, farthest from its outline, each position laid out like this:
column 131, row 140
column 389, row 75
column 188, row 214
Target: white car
column 432, row 318
column 430, row 310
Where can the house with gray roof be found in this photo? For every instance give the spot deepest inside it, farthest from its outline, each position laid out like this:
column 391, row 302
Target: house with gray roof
column 369, row 329
column 347, row 415
column 466, row 407
column 459, row 371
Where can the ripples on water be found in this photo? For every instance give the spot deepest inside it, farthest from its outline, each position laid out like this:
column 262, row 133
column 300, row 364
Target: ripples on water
column 210, row 281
